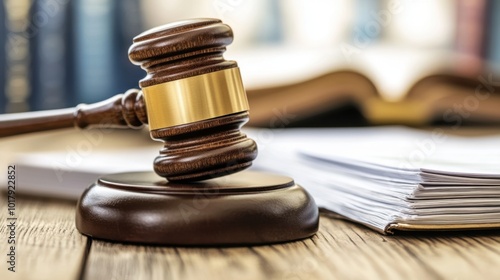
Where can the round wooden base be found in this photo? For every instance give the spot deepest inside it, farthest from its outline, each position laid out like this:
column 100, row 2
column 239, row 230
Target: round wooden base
column 240, row 209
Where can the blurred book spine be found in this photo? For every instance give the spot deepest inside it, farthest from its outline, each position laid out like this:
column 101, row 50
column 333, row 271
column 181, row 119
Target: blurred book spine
column 127, row 27
column 17, row 64
column 3, row 69
column 368, row 23
column 95, row 68
column 51, row 55
column 494, row 32
column 271, row 24
column 471, row 27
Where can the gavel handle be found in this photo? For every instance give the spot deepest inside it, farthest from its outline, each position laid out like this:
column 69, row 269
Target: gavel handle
column 123, row 110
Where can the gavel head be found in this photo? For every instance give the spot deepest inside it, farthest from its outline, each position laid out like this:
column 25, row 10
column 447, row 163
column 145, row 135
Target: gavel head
column 195, row 100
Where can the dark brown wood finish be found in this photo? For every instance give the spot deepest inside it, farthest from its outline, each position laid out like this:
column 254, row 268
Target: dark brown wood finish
column 182, row 49
column 122, row 110
column 194, row 151
column 204, row 149
column 240, row 209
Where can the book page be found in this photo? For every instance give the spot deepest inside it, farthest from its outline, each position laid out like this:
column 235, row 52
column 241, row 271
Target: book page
column 387, row 66
column 384, row 175
column 408, row 150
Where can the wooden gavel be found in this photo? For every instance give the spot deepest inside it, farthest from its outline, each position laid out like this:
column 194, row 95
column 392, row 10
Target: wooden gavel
column 192, row 98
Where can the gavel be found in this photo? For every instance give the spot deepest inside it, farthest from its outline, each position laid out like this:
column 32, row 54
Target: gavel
column 194, row 101
column 192, row 98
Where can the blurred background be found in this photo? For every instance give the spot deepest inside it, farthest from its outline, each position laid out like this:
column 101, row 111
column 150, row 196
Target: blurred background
column 58, row 53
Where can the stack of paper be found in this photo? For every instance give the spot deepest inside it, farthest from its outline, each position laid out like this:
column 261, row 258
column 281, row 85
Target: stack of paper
column 392, row 178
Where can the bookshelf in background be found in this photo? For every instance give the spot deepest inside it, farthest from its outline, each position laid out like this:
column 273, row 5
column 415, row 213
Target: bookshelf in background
column 17, row 64
column 94, row 72
column 103, row 32
column 128, row 25
column 471, row 27
column 366, row 29
column 51, row 52
column 494, row 33
column 271, row 25
column 3, row 35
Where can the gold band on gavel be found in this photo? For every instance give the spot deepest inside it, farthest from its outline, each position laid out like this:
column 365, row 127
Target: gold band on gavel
column 195, row 98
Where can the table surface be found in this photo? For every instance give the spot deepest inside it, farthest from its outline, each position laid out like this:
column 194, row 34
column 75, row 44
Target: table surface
column 49, row 247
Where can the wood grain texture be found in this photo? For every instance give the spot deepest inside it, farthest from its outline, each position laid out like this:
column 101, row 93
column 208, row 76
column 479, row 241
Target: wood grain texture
column 246, row 208
column 122, row 111
column 182, row 49
column 204, row 149
column 195, row 151
column 48, row 246
column 341, row 250
column 51, row 248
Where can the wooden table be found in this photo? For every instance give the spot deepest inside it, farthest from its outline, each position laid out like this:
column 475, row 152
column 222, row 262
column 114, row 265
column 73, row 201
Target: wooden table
column 50, row 247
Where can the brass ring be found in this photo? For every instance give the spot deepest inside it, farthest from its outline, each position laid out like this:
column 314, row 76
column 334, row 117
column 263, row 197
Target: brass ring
column 195, row 98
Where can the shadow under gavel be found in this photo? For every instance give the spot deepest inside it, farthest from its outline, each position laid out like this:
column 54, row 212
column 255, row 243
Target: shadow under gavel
column 192, row 98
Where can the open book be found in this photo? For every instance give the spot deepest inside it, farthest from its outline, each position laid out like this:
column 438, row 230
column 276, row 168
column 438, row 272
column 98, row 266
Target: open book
column 378, row 85
column 392, row 178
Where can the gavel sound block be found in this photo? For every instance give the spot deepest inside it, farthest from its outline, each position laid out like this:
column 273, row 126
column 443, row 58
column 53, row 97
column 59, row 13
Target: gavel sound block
column 193, row 100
